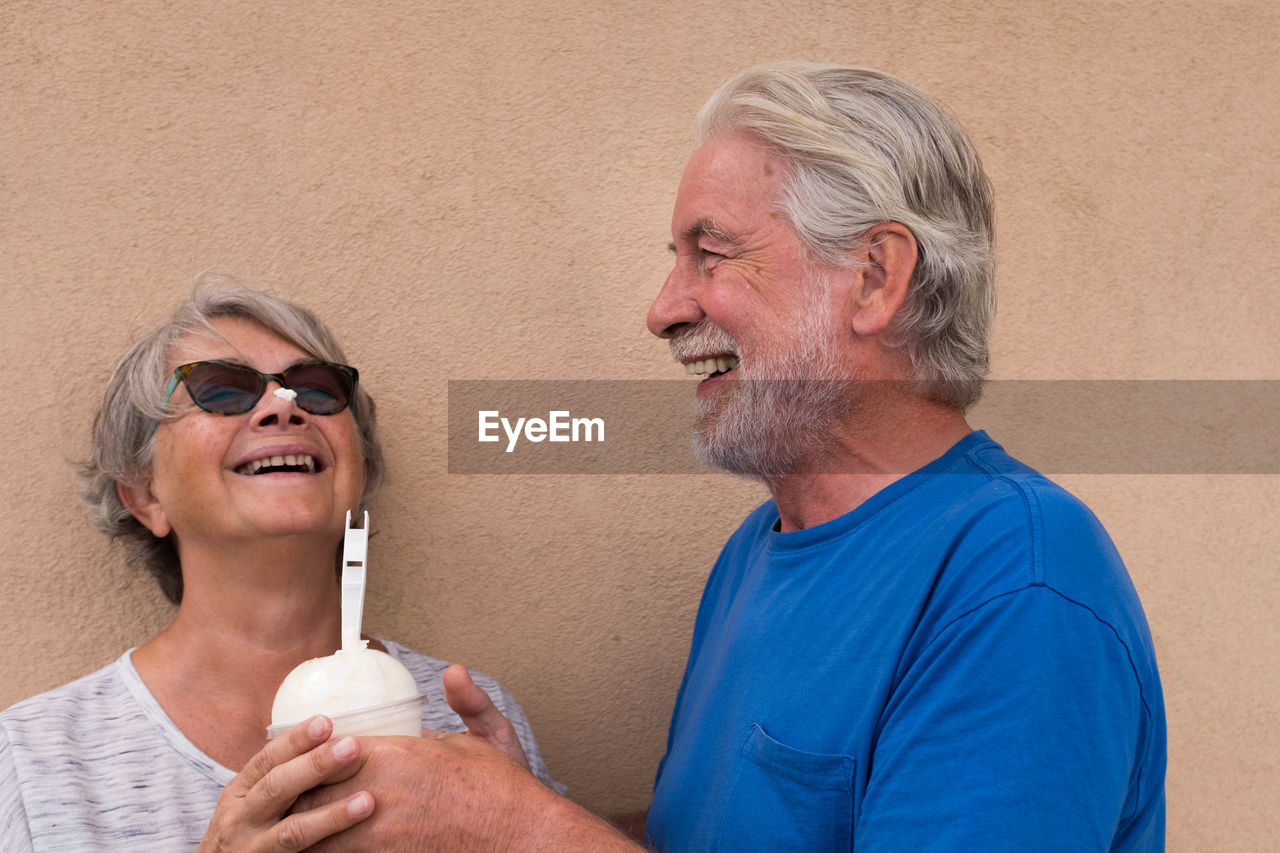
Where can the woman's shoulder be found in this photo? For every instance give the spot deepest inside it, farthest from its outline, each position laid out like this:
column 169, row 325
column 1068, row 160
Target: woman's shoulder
column 436, row 713
column 427, row 671
column 62, row 706
column 94, row 765
column 52, row 734
column 415, row 661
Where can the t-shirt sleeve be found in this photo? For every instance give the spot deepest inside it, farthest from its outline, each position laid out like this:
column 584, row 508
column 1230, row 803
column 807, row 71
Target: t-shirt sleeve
column 1019, row 726
column 14, row 835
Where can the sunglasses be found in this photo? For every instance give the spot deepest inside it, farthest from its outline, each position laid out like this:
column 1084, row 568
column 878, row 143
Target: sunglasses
column 224, row 388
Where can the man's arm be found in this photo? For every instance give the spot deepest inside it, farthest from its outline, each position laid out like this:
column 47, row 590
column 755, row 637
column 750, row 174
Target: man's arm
column 469, row 791
column 457, row 793
column 1020, row 727
column 631, row 824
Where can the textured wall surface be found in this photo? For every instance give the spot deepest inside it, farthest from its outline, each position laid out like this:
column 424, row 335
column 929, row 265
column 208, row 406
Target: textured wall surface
column 482, row 191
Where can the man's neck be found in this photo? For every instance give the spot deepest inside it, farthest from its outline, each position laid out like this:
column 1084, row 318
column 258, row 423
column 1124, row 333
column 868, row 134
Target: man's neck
column 864, row 456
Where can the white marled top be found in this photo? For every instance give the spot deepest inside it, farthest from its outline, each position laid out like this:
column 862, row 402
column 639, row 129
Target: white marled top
column 97, row 764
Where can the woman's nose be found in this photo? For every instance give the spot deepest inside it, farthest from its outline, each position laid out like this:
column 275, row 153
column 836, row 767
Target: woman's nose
column 278, row 406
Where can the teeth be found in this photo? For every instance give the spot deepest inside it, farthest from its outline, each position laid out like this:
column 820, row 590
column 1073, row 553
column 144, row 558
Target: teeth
column 292, row 459
column 716, row 364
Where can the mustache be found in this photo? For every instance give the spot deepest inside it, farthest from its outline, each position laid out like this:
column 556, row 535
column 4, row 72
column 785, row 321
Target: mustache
column 706, row 338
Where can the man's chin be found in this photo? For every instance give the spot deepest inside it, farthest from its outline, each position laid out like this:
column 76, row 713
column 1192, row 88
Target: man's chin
column 747, row 453
column 766, row 448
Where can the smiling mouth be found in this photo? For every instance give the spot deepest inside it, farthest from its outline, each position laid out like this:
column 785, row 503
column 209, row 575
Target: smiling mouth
column 712, row 366
column 292, row 463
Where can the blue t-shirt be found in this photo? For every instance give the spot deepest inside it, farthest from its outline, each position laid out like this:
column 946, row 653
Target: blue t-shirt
column 960, row 663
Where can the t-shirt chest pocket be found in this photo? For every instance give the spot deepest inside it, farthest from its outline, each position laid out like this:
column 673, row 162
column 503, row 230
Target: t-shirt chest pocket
column 783, row 799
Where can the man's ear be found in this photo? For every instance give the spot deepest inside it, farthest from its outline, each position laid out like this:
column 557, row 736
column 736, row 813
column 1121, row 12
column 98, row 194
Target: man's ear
column 144, row 506
column 881, row 287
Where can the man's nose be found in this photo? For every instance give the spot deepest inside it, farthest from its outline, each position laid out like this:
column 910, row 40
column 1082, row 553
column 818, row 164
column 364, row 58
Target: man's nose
column 675, row 306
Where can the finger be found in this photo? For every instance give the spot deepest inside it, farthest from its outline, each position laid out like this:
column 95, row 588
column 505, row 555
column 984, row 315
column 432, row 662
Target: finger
column 481, row 717
column 271, row 797
column 344, row 768
column 472, row 704
column 303, row 829
column 340, row 783
column 299, row 740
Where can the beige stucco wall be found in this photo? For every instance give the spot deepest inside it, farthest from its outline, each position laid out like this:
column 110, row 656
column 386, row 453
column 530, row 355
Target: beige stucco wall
column 482, row 190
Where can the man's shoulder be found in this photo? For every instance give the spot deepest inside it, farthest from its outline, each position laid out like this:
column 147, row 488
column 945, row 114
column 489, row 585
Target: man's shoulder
column 1014, row 493
column 1021, row 529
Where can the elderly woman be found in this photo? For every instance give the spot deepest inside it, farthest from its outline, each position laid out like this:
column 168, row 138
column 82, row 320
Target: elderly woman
column 234, row 498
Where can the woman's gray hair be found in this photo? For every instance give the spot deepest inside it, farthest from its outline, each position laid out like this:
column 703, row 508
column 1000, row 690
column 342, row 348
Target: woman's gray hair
column 864, row 148
column 134, row 402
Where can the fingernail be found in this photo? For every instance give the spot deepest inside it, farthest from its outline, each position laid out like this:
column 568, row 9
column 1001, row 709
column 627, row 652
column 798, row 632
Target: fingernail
column 344, row 748
column 315, row 728
column 361, row 804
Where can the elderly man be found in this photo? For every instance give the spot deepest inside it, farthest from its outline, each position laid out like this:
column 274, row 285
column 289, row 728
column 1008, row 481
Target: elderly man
column 918, row 642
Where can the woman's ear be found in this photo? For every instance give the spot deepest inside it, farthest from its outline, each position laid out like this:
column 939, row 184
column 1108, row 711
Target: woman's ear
column 881, row 287
column 144, row 506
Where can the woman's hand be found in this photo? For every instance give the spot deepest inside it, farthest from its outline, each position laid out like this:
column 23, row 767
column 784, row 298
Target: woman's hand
column 251, row 813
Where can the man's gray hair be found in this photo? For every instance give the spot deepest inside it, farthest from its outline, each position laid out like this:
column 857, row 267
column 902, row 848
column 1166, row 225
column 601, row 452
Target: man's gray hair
column 864, row 148
column 134, row 402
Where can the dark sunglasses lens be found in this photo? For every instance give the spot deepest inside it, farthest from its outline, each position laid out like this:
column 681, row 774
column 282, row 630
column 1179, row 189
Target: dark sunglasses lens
column 224, row 388
column 323, row 389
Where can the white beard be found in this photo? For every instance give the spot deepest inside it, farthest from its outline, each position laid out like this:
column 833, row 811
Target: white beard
column 779, row 411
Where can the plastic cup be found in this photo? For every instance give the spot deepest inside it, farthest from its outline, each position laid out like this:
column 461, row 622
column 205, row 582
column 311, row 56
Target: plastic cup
column 401, row 717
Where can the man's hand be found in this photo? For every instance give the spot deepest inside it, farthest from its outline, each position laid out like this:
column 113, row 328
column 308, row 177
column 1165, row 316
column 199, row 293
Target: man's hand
column 470, row 791
column 250, row 815
column 481, row 716
column 456, row 792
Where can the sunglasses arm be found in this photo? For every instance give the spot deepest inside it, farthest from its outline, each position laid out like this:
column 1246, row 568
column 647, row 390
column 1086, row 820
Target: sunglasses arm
column 168, row 395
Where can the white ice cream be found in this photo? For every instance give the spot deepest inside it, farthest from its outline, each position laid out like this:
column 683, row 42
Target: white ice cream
column 347, row 680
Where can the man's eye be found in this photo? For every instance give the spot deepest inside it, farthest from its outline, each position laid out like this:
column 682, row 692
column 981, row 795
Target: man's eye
column 706, row 256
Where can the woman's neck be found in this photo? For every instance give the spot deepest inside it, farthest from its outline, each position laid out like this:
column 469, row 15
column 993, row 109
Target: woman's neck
column 243, row 624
